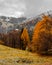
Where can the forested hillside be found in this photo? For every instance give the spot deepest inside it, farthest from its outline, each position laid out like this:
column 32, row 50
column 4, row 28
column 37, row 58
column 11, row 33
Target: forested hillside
column 40, row 40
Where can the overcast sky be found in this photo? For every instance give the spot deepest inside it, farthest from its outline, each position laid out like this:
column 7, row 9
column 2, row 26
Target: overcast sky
column 28, row 8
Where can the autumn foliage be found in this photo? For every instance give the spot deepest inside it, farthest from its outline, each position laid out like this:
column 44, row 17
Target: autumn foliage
column 1, row 42
column 42, row 36
column 41, row 39
column 25, row 40
column 11, row 39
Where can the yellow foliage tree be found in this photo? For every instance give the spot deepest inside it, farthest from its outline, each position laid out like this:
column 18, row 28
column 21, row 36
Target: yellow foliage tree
column 42, row 35
column 25, row 38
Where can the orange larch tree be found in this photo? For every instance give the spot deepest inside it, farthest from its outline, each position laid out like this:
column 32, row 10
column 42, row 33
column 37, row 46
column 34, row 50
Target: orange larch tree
column 42, row 35
column 25, row 38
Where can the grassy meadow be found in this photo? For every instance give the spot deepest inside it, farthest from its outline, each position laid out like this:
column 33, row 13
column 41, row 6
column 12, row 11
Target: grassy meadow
column 11, row 56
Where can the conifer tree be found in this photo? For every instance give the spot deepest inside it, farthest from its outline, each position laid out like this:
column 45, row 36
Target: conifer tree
column 42, row 35
column 25, row 38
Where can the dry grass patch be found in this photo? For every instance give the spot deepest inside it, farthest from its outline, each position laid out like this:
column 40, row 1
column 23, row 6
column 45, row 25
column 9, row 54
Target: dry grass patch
column 10, row 56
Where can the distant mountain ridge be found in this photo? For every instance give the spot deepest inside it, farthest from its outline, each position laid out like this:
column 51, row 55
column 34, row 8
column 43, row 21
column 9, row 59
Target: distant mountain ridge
column 10, row 23
column 31, row 22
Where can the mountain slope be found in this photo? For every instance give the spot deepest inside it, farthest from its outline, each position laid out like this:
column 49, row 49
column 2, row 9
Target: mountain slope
column 31, row 22
column 10, row 56
column 9, row 23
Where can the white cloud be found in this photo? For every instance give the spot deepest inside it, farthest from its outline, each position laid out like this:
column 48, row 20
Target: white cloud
column 27, row 8
column 17, row 14
column 46, row 6
column 13, row 8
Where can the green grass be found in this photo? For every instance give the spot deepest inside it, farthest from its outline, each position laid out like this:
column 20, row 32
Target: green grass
column 10, row 56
